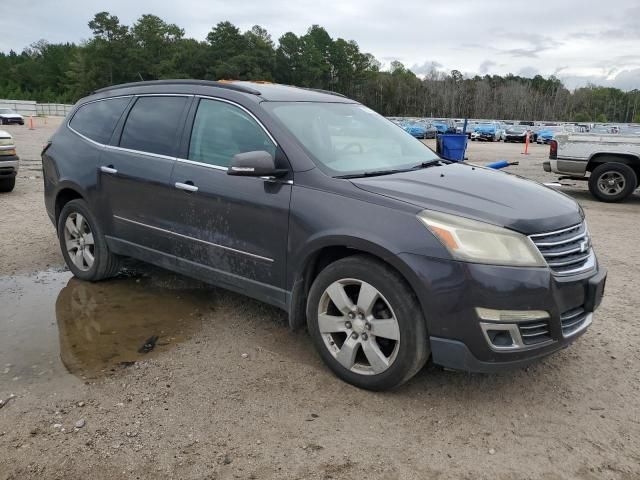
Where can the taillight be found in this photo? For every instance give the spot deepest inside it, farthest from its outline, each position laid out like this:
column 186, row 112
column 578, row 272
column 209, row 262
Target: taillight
column 553, row 149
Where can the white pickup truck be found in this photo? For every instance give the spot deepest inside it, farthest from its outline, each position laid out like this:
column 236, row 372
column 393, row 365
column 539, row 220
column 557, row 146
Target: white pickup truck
column 611, row 161
column 9, row 162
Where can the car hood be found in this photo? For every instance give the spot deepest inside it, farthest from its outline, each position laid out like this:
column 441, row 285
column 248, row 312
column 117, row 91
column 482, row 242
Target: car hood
column 10, row 115
column 481, row 194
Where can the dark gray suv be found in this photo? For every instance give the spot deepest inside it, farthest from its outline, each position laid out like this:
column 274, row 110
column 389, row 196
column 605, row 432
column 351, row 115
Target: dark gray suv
column 314, row 203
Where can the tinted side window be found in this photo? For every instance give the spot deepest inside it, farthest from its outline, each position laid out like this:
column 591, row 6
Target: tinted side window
column 221, row 130
column 153, row 125
column 97, row 120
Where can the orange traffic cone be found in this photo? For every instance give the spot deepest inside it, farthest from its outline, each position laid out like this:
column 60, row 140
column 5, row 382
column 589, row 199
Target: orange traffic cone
column 31, row 127
column 526, row 145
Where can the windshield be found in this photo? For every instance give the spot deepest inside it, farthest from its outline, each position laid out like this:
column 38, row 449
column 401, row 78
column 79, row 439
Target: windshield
column 517, row 129
column 350, row 139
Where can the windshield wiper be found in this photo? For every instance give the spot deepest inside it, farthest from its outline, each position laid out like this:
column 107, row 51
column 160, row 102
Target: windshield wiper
column 431, row 163
column 374, row 173
column 377, row 173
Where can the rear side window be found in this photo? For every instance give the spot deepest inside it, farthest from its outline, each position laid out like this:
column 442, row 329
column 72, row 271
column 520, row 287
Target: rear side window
column 97, row 120
column 221, row 130
column 152, row 125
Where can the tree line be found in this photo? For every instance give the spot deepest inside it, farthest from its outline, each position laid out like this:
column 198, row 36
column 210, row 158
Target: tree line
column 153, row 49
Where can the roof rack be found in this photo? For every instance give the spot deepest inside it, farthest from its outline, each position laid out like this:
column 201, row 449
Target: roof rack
column 206, row 83
column 328, row 92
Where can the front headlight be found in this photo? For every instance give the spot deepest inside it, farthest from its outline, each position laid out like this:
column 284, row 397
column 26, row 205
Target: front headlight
column 479, row 242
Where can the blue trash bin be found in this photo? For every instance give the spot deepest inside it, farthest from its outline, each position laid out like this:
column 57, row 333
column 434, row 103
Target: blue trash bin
column 452, row 146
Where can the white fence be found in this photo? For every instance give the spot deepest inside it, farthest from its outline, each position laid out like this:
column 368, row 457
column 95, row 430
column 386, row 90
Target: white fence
column 28, row 108
column 53, row 109
column 23, row 107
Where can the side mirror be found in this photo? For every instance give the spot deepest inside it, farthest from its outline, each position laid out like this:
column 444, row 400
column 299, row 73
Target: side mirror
column 255, row 164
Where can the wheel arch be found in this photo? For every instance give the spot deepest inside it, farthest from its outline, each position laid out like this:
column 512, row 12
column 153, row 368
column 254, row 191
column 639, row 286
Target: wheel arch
column 600, row 158
column 64, row 195
column 327, row 252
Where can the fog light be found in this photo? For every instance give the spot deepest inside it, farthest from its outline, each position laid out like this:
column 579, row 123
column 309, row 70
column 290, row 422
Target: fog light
column 500, row 338
column 510, row 315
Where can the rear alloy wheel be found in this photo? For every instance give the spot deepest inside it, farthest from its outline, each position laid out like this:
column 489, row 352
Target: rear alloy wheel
column 79, row 242
column 612, row 182
column 83, row 245
column 366, row 323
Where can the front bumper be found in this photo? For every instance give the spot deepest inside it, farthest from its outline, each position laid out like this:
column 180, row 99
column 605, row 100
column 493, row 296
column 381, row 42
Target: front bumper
column 485, row 136
column 12, row 121
column 9, row 166
column 450, row 292
column 516, row 138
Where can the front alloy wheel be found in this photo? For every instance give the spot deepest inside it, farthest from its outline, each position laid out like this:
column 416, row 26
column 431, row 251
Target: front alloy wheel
column 363, row 336
column 366, row 323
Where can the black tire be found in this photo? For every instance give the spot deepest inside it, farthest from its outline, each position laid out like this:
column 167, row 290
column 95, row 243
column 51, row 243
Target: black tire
column 615, row 194
column 7, row 184
column 105, row 263
column 412, row 349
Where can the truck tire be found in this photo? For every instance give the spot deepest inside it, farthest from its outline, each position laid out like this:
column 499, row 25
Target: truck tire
column 612, row 182
column 7, row 184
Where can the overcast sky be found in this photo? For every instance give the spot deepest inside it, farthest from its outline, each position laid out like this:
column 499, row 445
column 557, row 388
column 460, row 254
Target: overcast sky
column 578, row 41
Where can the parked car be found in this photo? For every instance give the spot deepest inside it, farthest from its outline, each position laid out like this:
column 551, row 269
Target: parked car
column 9, row 117
column 487, row 131
column 630, row 130
column 415, row 130
column 516, row 134
column 470, row 127
column 430, row 130
column 444, row 125
column 9, row 162
column 272, row 192
column 610, row 162
column 548, row 133
column 601, row 129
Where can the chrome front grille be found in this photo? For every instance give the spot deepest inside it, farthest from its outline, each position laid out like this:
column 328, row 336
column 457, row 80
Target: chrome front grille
column 567, row 251
column 573, row 320
column 534, row 332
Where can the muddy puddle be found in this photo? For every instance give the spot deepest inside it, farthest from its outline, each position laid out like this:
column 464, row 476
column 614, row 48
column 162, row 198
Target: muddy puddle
column 52, row 323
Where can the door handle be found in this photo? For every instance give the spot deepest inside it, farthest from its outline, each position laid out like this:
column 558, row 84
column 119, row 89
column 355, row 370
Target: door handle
column 187, row 186
column 110, row 170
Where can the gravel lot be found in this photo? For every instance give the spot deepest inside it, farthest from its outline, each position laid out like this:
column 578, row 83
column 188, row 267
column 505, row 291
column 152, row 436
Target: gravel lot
column 230, row 392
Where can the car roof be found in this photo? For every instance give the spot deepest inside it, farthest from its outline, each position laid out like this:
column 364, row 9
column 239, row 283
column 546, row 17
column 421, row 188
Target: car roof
column 265, row 91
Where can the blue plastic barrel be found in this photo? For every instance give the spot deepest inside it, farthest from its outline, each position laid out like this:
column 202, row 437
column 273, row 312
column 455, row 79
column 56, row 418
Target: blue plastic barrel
column 452, row 146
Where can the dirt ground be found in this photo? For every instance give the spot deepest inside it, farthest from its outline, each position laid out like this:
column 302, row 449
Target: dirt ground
column 229, row 392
